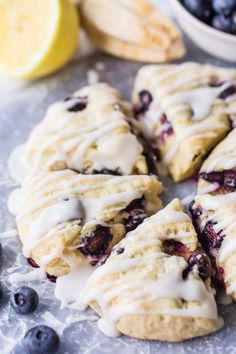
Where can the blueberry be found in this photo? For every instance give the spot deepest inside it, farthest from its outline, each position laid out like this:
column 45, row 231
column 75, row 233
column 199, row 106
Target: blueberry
column 77, row 103
column 233, row 23
column 201, row 261
column 96, row 243
column 106, row 171
column 229, row 91
column 24, row 300
column 145, row 99
column 1, row 292
column 173, row 247
column 202, row 9
column 224, row 7
column 41, row 340
column 222, row 23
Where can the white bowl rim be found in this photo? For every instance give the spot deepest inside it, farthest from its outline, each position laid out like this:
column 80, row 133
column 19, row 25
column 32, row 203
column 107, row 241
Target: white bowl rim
column 204, row 26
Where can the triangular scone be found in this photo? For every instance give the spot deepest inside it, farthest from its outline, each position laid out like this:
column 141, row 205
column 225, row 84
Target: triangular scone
column 218, row 173
column 215, row 220
column 185, row 110
column 140, row 33
column 63, row 217
column 155, row 284
column 88, row 132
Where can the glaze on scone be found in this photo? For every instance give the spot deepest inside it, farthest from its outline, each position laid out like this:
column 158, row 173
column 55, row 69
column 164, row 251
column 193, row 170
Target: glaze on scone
column 185, row 110
column 215, row 220
column 155, row 284
column 218, row 172
column 64, row 218
column 88, row 132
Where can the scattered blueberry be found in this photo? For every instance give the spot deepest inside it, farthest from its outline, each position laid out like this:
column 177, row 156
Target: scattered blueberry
column 97, row 242
column 201, row 261
column 202, row 9
column 41, row 340
column 233, row 23
column 224, row 7
column 24, row 300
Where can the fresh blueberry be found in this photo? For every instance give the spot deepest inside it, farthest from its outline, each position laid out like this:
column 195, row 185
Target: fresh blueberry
column 224, row 7
column 24, row 300
column 96, row 243
column 222, row 23
column 41, row 340
column 201, row 261
column 233, row 23
column 202, row 9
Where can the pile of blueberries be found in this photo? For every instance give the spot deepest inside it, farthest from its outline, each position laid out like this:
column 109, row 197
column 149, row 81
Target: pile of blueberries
column 40, row 339
column 220, row 14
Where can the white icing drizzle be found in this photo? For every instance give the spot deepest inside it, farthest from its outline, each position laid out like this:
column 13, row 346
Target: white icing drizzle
column 53, row 201
column 118, row 296
column 9, row 234
column 66, row 210
column 14, row 200
column 93, row 138
column 33, row 275
column 179, row 90
column 17, row 164
column 223, row 156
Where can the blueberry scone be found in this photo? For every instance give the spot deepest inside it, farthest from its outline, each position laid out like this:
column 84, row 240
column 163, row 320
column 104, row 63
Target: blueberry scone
column 185, row 110
column 155, row 284
column 64, row 217
column 218, row 172
column 88, row 132
column 215, row 220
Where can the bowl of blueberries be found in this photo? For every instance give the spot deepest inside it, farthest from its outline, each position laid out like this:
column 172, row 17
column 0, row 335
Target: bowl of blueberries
column 211, row 24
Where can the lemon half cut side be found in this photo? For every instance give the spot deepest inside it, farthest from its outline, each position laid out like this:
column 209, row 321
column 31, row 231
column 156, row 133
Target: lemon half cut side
column 37, row 37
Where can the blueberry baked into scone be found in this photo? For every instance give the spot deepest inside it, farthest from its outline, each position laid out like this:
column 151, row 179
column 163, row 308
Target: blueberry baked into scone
column 185, row 110
column 155, row 284
column 214, row 217
column 88, row 132
column 66, row 219
column 218, row 172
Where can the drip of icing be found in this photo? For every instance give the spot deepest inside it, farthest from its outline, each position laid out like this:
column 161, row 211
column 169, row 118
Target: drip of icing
column 209, row 188
column 69, row 288
column 13, row 202
column 33, row 275
column 107, row 328
column 17, row 164
column 53, row 215
column 9, row 233
column 121, row 152
column 200, row 100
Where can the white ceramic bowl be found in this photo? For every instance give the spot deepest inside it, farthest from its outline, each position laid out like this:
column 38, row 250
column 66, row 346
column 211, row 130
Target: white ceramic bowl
column 217, row 43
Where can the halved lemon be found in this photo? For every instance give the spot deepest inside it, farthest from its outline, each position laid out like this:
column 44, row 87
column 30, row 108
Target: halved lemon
column 37, row 37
